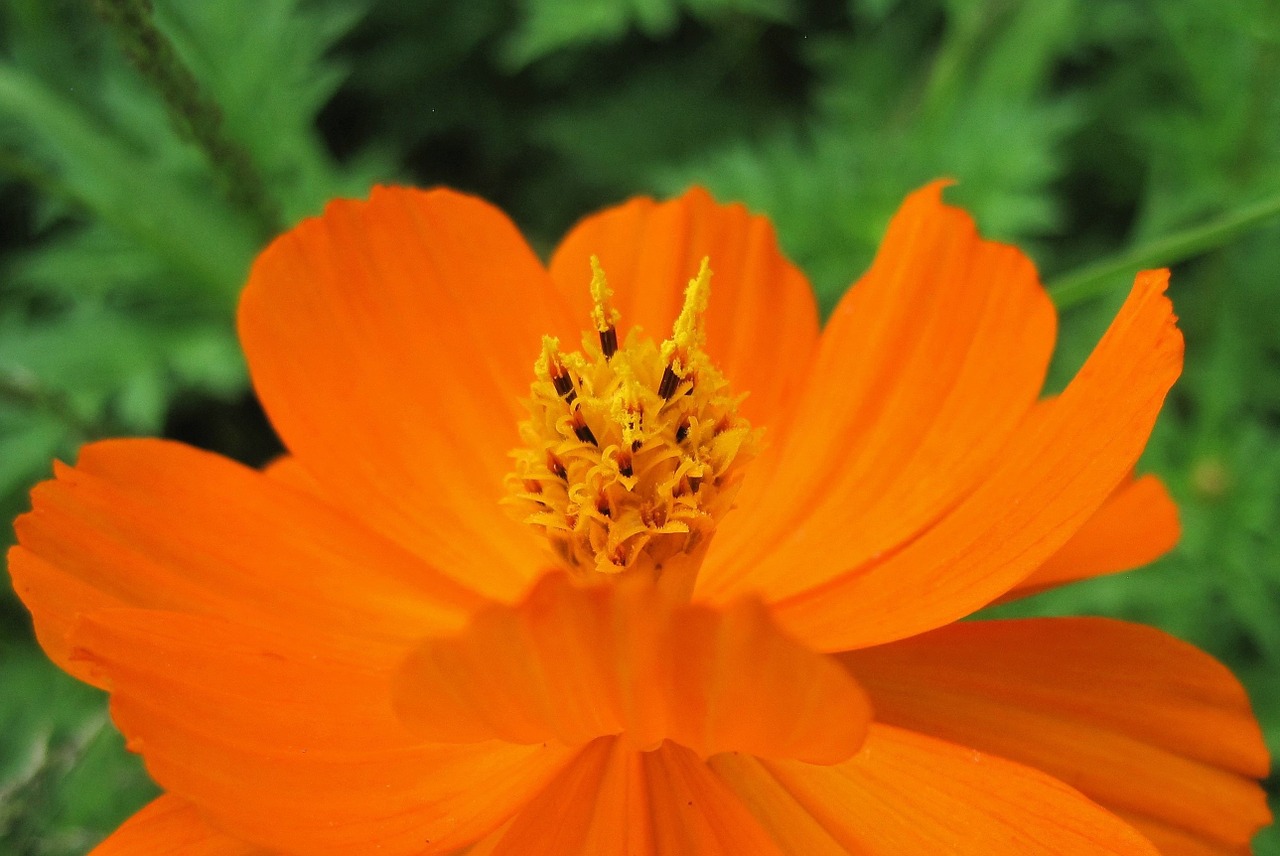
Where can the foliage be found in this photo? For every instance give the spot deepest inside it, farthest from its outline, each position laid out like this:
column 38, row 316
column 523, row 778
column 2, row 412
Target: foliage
column 64, row 783
column 139, row 177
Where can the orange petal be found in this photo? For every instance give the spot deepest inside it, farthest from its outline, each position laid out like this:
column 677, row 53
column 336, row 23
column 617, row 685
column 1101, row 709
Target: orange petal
column 155, row 524
column 615, row 801
column 1135, row 719
column 1137, row 524
column 296, row 748
column 924, row 370
column 391, row 342
column 169, row 826
column 908, row 793
column 786, row 820
column 571, row 665
column 762, row 323
column 1176, row 842
column 288, row 470
column 1048, row 480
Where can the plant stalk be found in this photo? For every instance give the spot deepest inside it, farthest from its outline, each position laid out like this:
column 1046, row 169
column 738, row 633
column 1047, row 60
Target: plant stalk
column 1094, row 279
column 194, row 114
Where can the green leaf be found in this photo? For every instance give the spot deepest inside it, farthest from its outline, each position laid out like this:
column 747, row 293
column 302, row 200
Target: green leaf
column 978, row 113
column 185, row 230
column 266, row 64
column 65, row 778
column 548, row 26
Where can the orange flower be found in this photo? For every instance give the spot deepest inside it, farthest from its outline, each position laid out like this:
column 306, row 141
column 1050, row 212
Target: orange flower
column 408, row 639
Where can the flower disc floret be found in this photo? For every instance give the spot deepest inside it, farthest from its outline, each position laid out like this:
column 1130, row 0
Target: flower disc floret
column 633, row 453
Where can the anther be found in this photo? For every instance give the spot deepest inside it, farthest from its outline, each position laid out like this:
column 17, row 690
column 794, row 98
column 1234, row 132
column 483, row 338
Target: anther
column 670, row 382
column 564, row 387
column 602, row 313
column 556, row 466
column 582, row 430
column 551, row 363
column 687, row 336
column 609, row 342
column 695, row 482
column 683, row 431
column 624, row 465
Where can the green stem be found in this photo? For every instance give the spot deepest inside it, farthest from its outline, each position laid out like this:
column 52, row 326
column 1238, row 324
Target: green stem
column 194, row 114
column 961, row 42
column 1095, row 279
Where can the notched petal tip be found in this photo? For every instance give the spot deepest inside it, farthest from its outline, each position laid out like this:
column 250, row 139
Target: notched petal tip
column 932, row 191
column 926, row 202
column 1150, row 289
column 1155, row 278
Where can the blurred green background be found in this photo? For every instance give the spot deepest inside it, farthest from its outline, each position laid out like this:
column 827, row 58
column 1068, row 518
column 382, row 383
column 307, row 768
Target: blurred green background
column 147, row 152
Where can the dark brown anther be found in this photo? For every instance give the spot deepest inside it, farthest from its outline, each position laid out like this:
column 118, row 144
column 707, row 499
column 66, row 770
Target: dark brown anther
column 582, row 430
column 635, row 445
column 624, row 465
column 602, row 505
column 683, row 431
column 556, row 466
column 670, row 382
column 560, row 378
column 564, row 386
column 695, row 482
column 609, row 342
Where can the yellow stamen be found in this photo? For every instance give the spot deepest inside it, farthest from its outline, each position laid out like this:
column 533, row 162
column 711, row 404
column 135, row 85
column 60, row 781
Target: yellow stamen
column 688, row 334
column 602, row 312
column 684, row 349
column 549, row 357
column 628, row 407
column 621, row 474
column 550, row 365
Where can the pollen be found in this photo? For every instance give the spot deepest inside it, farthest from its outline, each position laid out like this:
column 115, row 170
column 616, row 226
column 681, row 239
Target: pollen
column 632, row 454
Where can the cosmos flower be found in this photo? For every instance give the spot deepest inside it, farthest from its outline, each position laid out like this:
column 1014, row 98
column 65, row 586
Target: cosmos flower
column 624, row 555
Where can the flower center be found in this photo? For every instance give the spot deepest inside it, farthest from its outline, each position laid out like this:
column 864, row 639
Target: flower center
column 631, row 454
